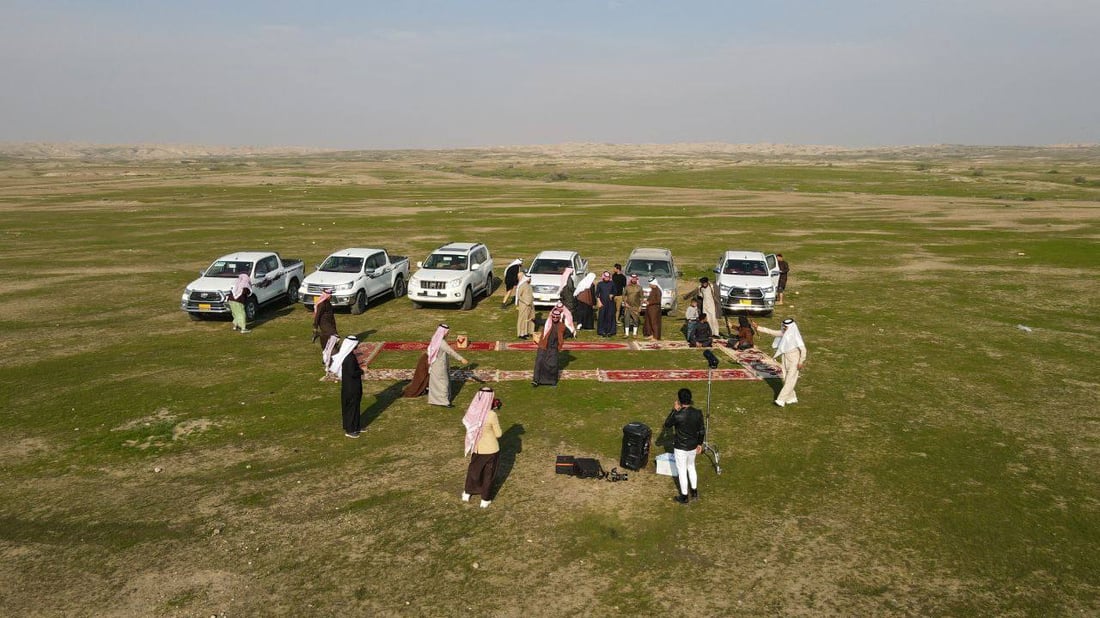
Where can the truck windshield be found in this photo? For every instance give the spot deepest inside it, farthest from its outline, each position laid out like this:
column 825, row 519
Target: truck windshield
column 229, row 269
column 546, row 266
column 446, row 261
column 652, row 268
column 342, row 264
column 745, row 267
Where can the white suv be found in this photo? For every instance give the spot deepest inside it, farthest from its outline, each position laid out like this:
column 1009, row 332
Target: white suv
column 747, row 280
column 453, row 273
column 545, row 273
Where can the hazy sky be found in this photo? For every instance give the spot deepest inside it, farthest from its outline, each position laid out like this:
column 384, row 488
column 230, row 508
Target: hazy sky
column 425, row 74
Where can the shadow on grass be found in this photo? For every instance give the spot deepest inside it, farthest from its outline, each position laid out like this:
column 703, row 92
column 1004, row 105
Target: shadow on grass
column 510, row 445
column 776, row 384
column 381, row 402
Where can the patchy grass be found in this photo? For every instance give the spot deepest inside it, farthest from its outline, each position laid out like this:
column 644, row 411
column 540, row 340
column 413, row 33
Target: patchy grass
column 941, row 461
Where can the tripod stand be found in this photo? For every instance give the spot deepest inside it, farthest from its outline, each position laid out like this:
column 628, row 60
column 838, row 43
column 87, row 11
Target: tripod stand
column 712, row 364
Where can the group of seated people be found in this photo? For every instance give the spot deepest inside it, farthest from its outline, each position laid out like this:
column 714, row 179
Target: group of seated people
column 700, row 333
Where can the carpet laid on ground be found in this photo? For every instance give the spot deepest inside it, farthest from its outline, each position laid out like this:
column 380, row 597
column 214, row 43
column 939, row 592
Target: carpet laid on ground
column 755, row 364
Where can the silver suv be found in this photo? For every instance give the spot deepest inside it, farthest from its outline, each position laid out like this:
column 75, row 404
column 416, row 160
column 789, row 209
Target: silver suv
column 648, row 263
column 453, row 273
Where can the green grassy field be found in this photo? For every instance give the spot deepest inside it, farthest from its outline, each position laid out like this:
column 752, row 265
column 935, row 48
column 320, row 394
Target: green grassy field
column 940, row 461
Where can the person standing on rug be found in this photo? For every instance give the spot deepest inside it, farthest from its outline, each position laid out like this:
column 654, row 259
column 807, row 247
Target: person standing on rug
column 708, row 303
column 606, row 300
column 238, row 296
column 324, row 328
column 482, row 445
column 788, row 344
column 350, row 373
column 687, row 443
column 632, row 307
column 550, row 343
column 585, row 296
column 511, row 279
column 525, row 308
column 619, row 279
column 653, row 311
column 437, row 370
column 567, row 288
column 784, row 268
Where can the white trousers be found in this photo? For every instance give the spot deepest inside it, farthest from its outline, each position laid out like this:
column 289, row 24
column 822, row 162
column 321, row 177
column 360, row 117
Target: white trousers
column 685, row 468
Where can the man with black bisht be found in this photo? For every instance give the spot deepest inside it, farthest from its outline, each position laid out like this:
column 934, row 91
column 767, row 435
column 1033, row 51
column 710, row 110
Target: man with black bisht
column 690, row 432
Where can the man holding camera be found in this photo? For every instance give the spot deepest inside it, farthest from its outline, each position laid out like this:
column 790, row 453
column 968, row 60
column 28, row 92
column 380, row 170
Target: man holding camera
column 690, row 432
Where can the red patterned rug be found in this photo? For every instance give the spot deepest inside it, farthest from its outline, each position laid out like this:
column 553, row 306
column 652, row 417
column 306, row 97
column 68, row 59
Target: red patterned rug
column 609, row 375
column 588, row 346
column 416, row 346
column 673, row 375
column 756, row 365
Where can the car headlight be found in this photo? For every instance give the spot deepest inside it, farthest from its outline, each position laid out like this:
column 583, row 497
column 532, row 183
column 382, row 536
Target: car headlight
column 186, row 294
column 343, row 287
column 454, row 284
column 768, row 290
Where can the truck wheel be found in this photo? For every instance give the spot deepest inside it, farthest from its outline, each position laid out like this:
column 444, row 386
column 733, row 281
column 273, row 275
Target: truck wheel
column 468, row 299
column 292, row 292
column 399, row 287
column 359, row 305
column 489, row 285
column 251, row 308
column 195, row 316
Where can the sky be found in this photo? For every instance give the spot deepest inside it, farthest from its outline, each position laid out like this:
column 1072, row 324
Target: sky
column 381, row 74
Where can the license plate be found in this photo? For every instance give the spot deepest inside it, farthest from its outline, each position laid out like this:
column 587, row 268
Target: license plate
column 745, row 301
column 440, row 294
column 204, row 306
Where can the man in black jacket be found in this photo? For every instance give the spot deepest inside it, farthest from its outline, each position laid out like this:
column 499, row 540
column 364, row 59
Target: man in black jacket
column 690, row 432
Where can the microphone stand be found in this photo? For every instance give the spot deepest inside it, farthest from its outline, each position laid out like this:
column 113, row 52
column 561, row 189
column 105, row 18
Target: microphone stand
column 707, row 446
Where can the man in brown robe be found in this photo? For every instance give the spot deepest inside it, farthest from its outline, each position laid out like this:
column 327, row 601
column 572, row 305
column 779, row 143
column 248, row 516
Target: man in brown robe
column 653, row 311
column 550, row 343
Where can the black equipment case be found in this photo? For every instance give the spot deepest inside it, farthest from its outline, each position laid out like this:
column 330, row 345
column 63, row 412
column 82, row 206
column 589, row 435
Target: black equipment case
column 588, row 468
column 636, row 438
column 564, row 465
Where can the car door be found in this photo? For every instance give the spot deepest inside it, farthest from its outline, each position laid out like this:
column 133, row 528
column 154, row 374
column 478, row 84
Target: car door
column 483, row 271
column 773, row 268
column 265, row 277
column 375, row 275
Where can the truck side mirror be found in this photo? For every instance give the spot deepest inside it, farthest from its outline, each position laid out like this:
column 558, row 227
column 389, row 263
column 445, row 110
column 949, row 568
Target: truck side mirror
column 475, row 266
column 420, row 264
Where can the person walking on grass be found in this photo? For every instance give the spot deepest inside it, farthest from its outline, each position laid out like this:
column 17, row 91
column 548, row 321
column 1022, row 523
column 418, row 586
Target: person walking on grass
column 350, row 374
column 238, row 296
column 791, row 349
column 525, row 308
column 781, row 285
column 687, row 443
column 324, row 330
column 482, row 445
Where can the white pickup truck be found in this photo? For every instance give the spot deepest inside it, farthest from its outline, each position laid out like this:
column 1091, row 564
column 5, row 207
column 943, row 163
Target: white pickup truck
column 273, row 279
column 357, row 276
column 747, row 281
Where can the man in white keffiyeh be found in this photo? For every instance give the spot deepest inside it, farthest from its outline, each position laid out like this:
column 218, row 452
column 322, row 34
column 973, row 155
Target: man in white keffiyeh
column 791, row 349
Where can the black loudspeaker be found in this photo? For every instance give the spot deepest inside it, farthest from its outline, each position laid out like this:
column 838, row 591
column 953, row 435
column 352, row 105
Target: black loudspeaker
column 636, row 437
